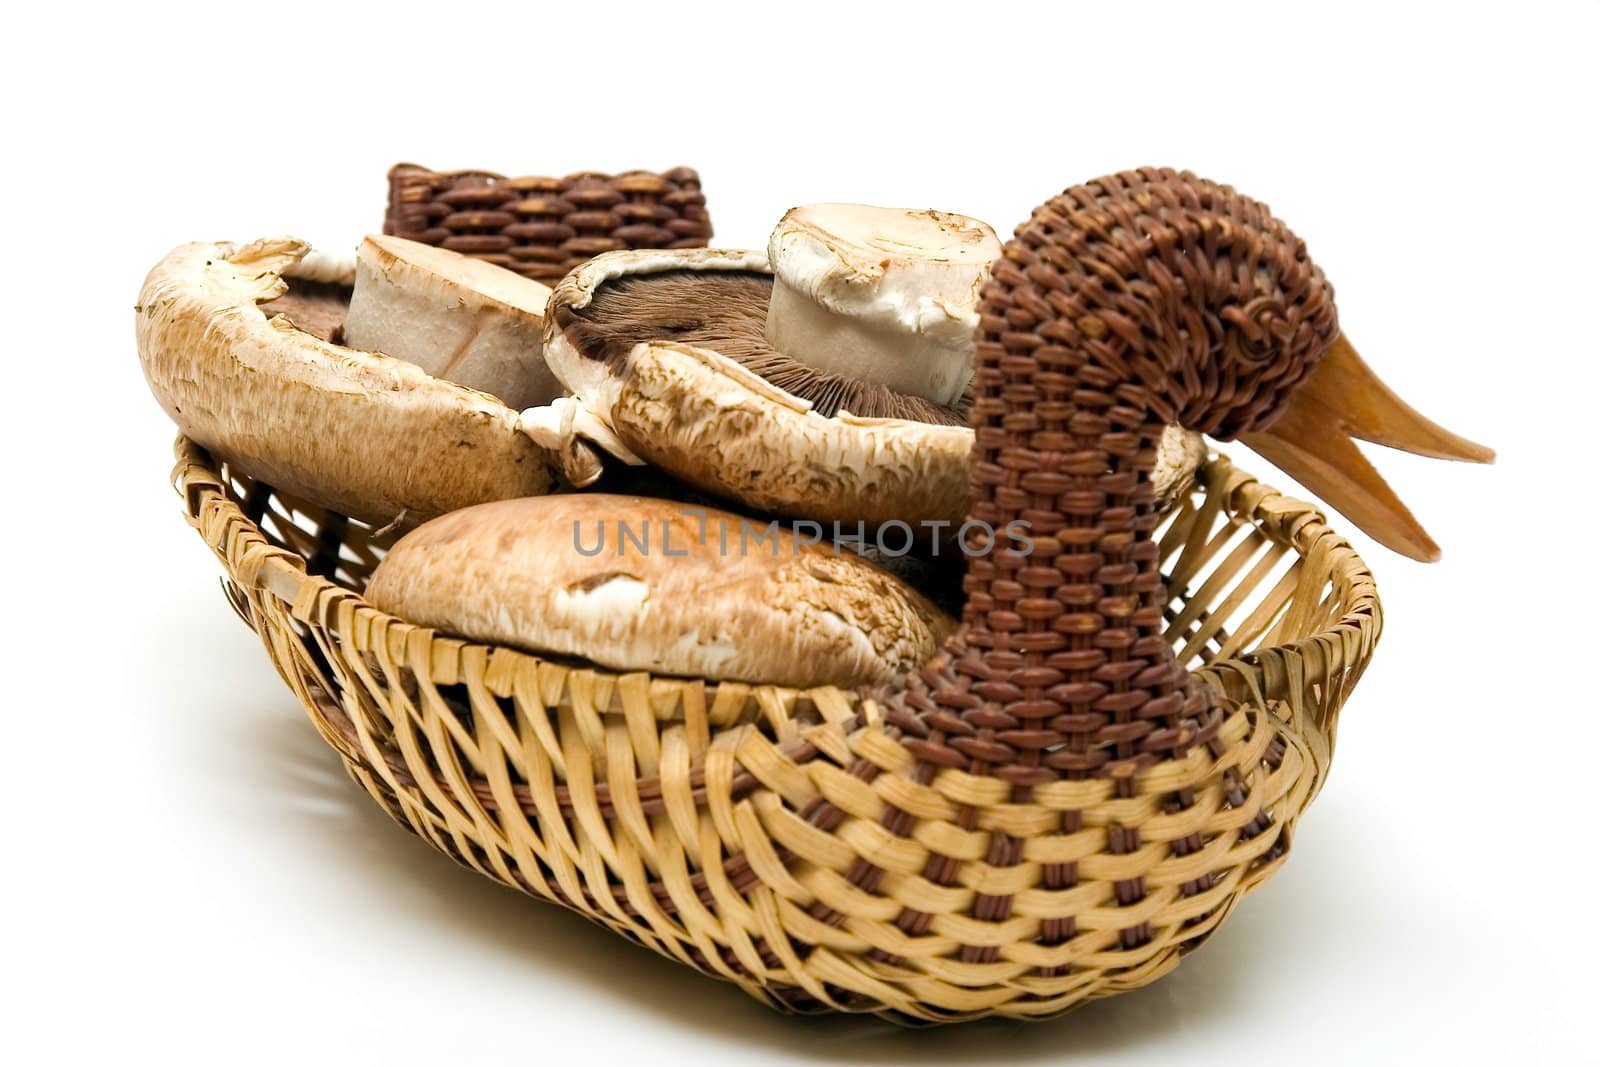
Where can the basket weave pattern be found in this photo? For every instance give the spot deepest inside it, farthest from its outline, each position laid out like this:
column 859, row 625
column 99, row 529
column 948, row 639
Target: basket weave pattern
column 684, row 814
column 543, row 227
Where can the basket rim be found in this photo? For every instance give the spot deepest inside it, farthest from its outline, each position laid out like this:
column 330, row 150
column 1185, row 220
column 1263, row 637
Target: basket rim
column 1300, row 526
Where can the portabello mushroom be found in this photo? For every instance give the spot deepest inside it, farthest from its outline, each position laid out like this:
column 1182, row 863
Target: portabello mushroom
column 370, row 436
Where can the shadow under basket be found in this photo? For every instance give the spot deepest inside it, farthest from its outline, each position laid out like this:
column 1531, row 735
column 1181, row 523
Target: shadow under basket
column 684, row 814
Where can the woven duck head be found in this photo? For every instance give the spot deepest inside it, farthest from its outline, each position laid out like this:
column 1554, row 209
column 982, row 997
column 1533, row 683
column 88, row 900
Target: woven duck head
column 1156, row 296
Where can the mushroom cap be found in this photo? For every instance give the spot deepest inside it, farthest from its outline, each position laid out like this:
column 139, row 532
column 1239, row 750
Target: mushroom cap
column 635, row 583
column 371, row 437
column 456, row 317
column 709, row 421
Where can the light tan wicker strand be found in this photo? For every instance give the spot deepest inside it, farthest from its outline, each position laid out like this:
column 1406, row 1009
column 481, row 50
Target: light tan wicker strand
column 674, row 811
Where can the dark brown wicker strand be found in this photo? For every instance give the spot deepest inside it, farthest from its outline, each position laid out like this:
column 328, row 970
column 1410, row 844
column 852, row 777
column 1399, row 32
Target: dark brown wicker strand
column 543, row 227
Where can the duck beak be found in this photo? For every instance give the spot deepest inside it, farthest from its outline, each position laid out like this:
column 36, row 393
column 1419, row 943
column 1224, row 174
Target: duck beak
column 1312, row 442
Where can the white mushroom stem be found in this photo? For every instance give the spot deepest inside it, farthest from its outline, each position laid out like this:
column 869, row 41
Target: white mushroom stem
column 885, row 295
column 324, row 267
column 457, row 318
column 578, row 436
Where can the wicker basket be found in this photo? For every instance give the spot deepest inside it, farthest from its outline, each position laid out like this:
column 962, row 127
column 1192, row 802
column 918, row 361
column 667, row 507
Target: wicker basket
column 670, row 810
column 543, row 227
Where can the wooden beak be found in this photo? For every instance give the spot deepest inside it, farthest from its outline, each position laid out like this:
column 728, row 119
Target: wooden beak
column 1314, row 442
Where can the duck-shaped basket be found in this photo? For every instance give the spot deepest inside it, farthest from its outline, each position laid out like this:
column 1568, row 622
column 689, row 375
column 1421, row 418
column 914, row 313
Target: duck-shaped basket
column 1113, row 749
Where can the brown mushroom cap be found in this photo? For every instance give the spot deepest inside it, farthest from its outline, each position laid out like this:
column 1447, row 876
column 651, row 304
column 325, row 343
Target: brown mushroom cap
column 697, row 390
column 635, row 583
column 372, row 437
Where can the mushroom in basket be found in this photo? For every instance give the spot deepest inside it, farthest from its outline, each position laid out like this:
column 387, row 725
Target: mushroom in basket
column 827, row 379
column 242, row 347
column 1052, row 808
column 341, row 383
column 634, row 583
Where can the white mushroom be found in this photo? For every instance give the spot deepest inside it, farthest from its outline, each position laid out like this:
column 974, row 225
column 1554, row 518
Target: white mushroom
column 456, row 317
column 634, row 583
column 372, row 437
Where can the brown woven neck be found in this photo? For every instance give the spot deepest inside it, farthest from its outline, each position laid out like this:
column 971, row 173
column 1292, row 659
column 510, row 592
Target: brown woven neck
column 1140, row 299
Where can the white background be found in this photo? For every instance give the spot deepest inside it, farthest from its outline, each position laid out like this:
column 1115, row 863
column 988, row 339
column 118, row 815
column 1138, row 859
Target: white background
column 190, row 878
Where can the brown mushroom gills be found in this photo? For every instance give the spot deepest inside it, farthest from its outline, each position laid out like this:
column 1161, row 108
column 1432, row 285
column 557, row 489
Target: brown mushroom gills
column 317, row 308
column 726, row 312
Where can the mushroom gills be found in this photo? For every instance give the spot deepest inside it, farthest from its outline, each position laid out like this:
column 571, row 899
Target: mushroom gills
column 316, row 308
column 726, row 311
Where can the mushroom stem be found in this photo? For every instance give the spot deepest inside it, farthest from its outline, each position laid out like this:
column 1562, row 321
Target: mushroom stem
column 883, row 295
column 917, row 363
column 457, row 318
